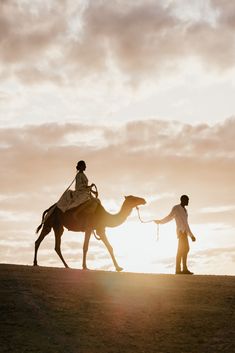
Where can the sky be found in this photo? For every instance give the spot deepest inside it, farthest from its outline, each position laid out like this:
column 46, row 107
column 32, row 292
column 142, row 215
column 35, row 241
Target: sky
column 143, row 91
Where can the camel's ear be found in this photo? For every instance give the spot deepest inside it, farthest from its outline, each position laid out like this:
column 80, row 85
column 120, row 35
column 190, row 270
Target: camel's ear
column 125, row 197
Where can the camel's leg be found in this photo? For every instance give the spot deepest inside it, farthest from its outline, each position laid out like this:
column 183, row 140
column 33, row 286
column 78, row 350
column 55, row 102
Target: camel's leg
column 59, row 230
column 85, row 248
column 45, row 230
column 110, row 250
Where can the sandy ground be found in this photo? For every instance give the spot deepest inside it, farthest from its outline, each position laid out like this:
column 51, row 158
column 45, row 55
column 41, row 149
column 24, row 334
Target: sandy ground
column 62, row 310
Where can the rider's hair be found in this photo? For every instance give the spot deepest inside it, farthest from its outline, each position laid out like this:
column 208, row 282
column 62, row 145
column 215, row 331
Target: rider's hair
column 80, row 165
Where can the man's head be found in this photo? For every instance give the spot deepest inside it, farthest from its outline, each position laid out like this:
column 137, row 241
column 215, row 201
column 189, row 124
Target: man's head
column 184, row 199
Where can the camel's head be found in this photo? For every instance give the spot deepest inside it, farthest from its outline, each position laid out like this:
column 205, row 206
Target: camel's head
column 134, row 201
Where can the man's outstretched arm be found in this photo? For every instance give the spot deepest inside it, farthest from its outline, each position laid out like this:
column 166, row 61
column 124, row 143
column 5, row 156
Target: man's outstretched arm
column 166, row 219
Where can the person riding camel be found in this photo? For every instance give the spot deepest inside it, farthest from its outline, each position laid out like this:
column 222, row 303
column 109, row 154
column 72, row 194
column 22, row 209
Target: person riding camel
column 82, row 193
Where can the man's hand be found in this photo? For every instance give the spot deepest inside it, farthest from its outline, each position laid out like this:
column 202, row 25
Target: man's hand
column 193, row 238
column 157, row 221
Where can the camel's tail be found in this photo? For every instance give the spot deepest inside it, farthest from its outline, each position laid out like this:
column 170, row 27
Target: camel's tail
column 43, row 217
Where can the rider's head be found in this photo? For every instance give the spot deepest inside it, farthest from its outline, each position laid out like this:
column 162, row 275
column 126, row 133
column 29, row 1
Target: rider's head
column 184, row 200
column 81, row 166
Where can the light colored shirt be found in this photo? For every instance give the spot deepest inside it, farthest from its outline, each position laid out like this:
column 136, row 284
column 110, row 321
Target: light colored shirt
column 82, row 190
column 81, row 184
column 180, row 214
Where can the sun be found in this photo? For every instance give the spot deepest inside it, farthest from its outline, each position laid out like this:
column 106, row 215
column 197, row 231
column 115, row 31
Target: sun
column 138, row 248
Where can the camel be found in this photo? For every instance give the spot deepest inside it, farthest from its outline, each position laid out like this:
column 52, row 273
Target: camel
column 78, row 220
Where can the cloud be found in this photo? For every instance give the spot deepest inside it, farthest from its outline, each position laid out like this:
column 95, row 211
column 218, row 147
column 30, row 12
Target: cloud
column 34, row 32
column 229, row 251
column 147, row 157
column 66, row 42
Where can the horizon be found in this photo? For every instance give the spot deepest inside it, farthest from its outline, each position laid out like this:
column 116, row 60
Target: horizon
column 44, row 268
column 144, row 93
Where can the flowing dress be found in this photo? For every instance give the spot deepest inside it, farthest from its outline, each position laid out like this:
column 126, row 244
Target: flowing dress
column 74, row 198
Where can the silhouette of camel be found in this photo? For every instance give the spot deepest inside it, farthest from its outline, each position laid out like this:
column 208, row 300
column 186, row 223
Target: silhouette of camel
column 80, row 221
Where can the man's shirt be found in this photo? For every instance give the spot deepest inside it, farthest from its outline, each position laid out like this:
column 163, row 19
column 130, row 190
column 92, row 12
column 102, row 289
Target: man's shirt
column 180, row 215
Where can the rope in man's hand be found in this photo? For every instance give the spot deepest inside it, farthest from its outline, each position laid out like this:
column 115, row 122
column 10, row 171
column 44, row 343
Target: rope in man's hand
column 152, row 220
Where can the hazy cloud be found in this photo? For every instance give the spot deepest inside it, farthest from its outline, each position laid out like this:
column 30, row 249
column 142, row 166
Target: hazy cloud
column 62, row 42
column 150, row 158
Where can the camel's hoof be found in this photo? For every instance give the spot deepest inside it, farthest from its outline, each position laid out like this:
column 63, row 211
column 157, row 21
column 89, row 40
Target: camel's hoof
column 35, row 264
column 119, row 269
column 85, row 268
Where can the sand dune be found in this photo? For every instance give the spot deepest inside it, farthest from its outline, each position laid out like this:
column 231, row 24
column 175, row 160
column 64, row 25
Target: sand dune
column 62, row 310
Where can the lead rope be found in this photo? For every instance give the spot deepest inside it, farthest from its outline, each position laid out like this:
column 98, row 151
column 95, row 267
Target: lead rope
column 152, row 220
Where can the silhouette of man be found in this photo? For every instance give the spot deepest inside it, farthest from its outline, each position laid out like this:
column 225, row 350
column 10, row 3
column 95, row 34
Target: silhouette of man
column 180, row 214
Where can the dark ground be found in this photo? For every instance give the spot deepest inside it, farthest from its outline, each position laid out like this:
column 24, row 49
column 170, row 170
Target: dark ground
column 53, row 310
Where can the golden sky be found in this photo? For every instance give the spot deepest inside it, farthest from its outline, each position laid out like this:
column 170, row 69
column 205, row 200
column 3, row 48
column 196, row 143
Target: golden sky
column 144, row 92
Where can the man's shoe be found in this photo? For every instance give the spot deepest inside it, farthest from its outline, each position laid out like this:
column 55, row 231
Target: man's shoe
column 186, row 272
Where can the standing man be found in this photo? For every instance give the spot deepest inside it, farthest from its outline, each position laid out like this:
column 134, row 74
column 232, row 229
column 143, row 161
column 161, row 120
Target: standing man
column 179, row 213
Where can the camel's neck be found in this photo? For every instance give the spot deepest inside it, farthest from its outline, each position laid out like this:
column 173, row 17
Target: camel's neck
column 114, row 220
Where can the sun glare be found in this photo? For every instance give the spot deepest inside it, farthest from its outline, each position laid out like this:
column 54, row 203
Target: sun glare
column 139, row 250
